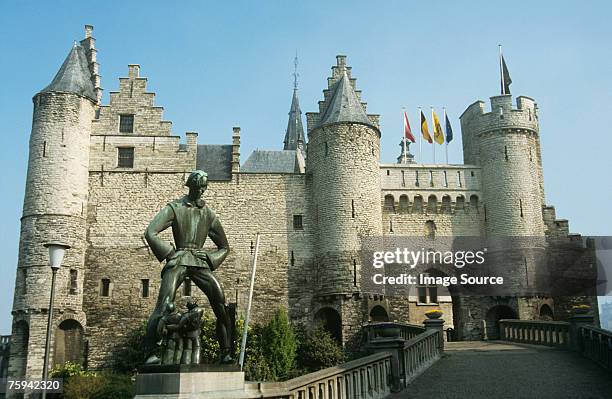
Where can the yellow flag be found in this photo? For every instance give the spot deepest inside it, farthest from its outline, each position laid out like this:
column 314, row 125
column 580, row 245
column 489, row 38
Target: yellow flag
column 438, row 135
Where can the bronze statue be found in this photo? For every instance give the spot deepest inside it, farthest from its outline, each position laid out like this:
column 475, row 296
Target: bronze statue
column 190, row 326
column 192, row 221
column 172, row 341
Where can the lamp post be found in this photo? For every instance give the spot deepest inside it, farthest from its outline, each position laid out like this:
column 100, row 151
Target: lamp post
column 56, row 256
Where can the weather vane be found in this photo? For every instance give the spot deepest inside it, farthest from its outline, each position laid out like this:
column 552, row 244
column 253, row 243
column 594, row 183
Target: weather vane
column 295, row 73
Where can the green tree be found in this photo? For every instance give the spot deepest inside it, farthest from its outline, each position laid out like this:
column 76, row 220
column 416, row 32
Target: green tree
column 280, row 345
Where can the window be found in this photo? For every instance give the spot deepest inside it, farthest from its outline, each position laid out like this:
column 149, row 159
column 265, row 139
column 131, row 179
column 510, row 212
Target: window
column 145, row 287
column 459, row 178
column 126, row 123
column 125, row 157
column 105, row 287
column 187, row 287
column 297, row 222
column 445, row 179
column 416, row 182
column 73, row 282
column 427, row 294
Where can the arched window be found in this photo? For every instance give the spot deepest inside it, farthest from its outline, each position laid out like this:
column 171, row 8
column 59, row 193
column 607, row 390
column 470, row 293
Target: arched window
column 460, row 204
column 432, row 204
column 331, row 321
column 403, row 203
column 474, row 202
column 69, row 343
column 446, row 204
column 378, row 314
column 389, row 203
column 417, row 205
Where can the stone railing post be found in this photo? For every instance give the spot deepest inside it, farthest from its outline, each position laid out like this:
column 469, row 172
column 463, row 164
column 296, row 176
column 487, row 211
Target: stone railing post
column 433, row 323
column 576, row 321
column 394, row 343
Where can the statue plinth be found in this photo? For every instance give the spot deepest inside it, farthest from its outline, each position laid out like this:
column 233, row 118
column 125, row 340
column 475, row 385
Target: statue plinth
column 190, row 381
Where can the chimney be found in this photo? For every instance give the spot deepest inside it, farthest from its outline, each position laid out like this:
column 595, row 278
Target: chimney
column 236, row 149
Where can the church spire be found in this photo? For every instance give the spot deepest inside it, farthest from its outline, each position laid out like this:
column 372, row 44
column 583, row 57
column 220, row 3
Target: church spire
column 73, row 76
column 294, row 136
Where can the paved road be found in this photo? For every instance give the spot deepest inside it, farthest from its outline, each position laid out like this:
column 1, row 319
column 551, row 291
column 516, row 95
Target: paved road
column 498, row 370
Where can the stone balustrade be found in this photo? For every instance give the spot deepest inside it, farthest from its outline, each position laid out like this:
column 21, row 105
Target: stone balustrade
column 549, row 333
column 397, row 361
column 596, row 344
column 578, row 335
column 379, row 330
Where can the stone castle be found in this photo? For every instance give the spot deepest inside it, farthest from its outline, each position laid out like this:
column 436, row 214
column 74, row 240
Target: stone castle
column 97, row 173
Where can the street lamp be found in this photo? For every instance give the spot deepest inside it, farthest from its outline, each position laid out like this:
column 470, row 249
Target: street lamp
column 56, row 256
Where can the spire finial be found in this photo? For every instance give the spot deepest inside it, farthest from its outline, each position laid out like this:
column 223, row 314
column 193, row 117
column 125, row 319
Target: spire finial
column 74, row 44
column 295, row 73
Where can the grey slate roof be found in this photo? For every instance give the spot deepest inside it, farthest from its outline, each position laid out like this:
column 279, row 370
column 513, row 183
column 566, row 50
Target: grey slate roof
column 344, row 105
column 295, row 129
column 261, row 161
column 73, row 76
column 216, row 160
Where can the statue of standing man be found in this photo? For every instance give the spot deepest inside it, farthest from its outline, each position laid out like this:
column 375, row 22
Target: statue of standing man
column 192, row 221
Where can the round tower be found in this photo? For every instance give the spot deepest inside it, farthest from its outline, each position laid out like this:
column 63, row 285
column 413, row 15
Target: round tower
column 343, row 160
column 54, row 209
column 506, row 144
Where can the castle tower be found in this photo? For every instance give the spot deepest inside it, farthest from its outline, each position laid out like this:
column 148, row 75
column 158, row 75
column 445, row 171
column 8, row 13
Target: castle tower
column 506, row 144
column 343, row 160
column 55, row 207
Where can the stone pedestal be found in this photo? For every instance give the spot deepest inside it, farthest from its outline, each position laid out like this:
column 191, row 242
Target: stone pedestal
column 190, row 381
column 576, row 321
column 436, row 324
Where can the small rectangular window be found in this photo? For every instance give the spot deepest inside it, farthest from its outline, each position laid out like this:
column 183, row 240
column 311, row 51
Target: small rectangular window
column 125, row 157
column 105, row 287
column 73, row 282
column 422, row 292
column 433, row 295
column 126, row 123
column 145, row 287
column 187, row 287
column 297, row 222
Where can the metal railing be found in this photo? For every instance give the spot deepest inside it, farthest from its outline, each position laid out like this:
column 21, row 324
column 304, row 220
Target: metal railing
column 549, row 333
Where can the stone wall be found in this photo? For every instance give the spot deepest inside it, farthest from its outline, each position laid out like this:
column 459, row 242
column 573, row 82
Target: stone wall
column 121, row 209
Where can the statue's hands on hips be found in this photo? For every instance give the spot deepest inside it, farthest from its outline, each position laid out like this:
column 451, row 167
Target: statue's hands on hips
column 203, row 255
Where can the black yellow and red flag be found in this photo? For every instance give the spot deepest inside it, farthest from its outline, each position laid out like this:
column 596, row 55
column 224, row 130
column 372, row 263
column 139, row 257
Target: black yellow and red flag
column 425, row 129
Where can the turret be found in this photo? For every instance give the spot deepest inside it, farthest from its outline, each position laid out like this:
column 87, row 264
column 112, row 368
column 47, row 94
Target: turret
column 505, row 142
column 54, row 209
column 343, row 160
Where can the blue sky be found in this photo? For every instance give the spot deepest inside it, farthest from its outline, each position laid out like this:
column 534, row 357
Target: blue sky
column 214, row 65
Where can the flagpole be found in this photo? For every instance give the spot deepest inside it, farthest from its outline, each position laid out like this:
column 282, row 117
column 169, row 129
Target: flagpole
column 404, row 135
column 445, row 134
column 433, row 146
column 501, row 71
column 420, row 137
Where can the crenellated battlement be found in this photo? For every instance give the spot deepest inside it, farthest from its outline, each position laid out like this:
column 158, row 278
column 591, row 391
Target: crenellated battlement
column 475, row 119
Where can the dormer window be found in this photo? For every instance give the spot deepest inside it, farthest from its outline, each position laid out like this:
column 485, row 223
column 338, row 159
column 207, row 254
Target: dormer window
column 126, row 123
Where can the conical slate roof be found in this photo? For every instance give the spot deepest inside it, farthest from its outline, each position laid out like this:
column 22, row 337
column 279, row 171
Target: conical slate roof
column 344, row 105
column 295, row 129
column 73, row 76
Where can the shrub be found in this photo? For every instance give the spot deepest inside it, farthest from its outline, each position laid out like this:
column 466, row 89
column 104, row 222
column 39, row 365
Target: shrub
column 319, row 350
column 131, row 354
column 99, row 386
column 280, row 345
column 256, row 367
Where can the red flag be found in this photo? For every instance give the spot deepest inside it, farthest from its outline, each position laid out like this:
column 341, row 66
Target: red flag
column 407, row 130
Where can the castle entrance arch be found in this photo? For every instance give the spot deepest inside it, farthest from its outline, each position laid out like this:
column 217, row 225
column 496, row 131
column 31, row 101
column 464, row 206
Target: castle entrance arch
column 494, row 315
column 378, row 314
column 330, row 320
column 69, row 343
column 546, row 313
